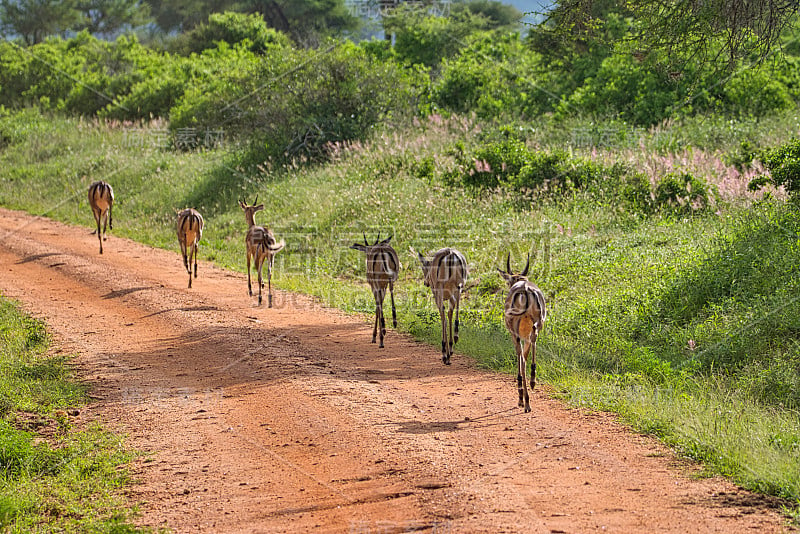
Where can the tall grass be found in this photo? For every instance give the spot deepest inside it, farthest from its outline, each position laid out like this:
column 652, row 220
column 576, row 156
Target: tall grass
column 53, row 477
column 683, row 322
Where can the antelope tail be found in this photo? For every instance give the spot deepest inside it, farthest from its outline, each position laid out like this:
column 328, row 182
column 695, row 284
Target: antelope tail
column 277, row 246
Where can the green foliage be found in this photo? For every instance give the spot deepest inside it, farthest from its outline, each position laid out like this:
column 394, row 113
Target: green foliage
column 35, row 20
column 307, row 21
column 82, row 75
column 498, row 14
column 626, row 87
column 291, row 105
column 570, row 58
column 107, row 17
column 494, row 75
column 738, row 305
column 783, row 163
column 743, row 156
column 232, row 28
column 683, row 193
column 171, row 16
column 380, row 49
column 424, row 39
column 509, row 163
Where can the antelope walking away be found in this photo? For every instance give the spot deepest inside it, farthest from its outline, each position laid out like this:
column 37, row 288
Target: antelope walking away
column 383, row 267
column 190, row 230
column 101, row 200
column 524, row 313
column 446, row 275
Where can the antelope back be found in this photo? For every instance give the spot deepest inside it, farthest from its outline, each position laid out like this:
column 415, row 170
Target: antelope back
column 101, row 195
column 190, row 223
column 383, row 265
column 446, row 270
column 268, row 241
column 525, row 300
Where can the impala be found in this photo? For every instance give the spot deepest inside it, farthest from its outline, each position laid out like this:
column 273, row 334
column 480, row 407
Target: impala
column 446, row 274
column 525, row 314
column 261, row 245
column 190, row 230
column 101, row 199
column 382, row 269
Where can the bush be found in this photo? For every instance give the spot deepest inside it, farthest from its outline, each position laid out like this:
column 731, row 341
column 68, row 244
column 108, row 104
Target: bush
column 288, row 105
column 682, row 193
column 81, row 75
column 783, row 163
column 232, row 28
column 625, row 87
column 493, row 76
column 511, row 164
column 423, row 39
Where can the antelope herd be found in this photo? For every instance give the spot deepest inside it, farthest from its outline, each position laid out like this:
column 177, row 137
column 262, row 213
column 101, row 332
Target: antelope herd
column 445, row 274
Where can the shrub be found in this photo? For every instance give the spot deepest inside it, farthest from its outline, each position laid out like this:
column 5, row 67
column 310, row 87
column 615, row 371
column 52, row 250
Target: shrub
column 232, row 28
column 81, row 75
column 509, row 163
column 286, row 104
column 626, row 87
column 783, row 163
column 682, row 193
column 494, row 75
column 755, row 93
column 423, row 39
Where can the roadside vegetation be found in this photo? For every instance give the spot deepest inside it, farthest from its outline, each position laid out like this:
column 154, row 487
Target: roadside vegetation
column 55, row 475
column 660, row 210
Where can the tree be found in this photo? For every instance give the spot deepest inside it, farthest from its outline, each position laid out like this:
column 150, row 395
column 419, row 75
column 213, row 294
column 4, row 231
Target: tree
column 171, row 15
column 498, row 14
column 424, row 38
column 306, row 20
column 231, row 28
column 692, row 30
column 34, row 20
column 107, row 17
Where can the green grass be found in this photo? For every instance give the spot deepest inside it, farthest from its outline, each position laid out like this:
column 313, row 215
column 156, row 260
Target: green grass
column 684, row 322
column 53, row 476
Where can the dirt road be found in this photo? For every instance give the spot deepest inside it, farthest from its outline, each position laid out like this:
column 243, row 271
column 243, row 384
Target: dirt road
column 290, row 420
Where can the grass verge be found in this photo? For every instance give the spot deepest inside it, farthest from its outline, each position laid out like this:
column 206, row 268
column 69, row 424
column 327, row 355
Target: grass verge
column 54, row 477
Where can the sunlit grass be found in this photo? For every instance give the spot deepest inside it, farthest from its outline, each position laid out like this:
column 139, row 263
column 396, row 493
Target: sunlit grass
column 53, row 477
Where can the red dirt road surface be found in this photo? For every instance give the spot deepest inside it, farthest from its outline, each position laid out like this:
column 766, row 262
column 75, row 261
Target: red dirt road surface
column 289, row 420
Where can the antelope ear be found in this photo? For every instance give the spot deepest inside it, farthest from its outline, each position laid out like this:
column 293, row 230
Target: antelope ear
column 527, row 265
column 259, row 207
column 358, row 246
column 386, row 241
